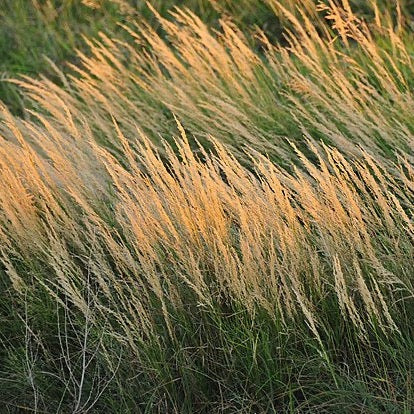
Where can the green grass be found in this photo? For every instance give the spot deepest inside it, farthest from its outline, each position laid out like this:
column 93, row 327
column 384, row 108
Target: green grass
column 224, row 362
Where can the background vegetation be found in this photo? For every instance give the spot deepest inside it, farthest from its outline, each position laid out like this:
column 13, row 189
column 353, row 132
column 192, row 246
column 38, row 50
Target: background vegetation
column 207, row 208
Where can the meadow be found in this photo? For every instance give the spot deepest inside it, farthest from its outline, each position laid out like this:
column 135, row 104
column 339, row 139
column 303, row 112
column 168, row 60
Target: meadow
column 206, row 206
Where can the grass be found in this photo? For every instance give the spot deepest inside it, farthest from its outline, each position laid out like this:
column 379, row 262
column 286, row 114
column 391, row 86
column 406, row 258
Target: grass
column 198, row 217
column 33, row 30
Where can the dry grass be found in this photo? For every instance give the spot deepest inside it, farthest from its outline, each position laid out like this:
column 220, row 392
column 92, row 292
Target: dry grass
column 132, row 233
column 342, row 80
column 265, row 238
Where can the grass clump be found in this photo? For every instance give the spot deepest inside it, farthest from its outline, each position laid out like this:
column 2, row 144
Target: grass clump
column 32, row 30
column 192, row 223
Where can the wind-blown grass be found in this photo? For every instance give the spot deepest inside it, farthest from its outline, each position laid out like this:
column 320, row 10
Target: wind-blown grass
column 346, row 85
column 31, row 30
column 266, row 266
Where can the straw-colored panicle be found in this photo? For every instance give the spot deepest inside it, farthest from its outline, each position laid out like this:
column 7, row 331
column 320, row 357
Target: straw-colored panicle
column 98, row 209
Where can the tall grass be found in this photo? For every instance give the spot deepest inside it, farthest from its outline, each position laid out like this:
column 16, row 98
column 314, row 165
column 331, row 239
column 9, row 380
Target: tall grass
column 346, row 83
column 191, row 224
column 34, row 29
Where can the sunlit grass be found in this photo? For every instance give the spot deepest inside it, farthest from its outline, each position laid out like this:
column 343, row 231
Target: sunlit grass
column 193, row 220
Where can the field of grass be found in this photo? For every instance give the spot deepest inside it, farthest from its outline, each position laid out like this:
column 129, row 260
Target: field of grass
column 206, row 208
